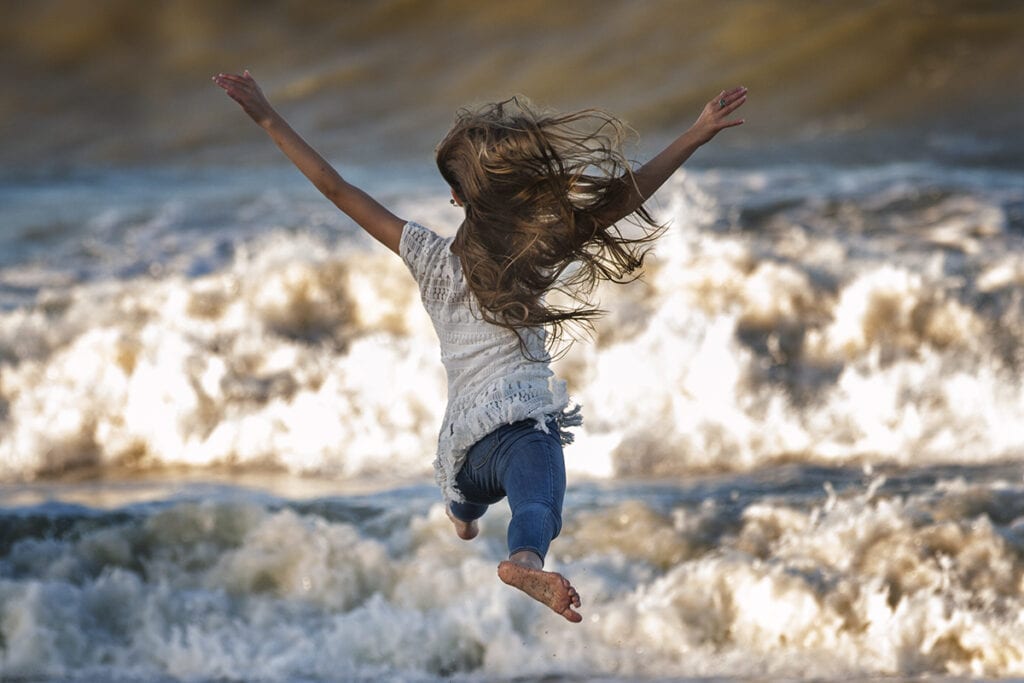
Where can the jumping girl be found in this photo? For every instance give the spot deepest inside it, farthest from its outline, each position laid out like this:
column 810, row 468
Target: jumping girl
column 542, row 194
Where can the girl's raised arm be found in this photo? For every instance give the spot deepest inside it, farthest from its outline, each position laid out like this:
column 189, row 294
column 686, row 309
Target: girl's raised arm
column 713, row 119
column 380, row 223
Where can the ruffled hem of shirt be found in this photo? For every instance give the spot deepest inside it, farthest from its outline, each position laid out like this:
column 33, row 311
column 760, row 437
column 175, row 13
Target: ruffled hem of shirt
column 478, row 423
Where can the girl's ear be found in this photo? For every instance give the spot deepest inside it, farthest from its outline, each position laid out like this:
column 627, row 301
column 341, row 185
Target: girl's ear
column 455, row 198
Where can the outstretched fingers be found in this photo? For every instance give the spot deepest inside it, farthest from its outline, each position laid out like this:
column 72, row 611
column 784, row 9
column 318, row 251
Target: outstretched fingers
column 733, row 93
column 244, row 89
column 243, row 78
column 729, row 101
column 233, row 82
column 722, row 107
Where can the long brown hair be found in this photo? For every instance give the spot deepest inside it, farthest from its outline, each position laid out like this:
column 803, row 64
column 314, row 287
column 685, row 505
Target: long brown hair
column 542, row 194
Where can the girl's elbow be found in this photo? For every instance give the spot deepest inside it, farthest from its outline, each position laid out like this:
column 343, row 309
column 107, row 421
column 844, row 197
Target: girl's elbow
column 336, row 190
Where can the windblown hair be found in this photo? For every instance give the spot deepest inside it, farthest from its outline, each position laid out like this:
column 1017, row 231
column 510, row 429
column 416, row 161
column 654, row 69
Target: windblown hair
column 542, row 194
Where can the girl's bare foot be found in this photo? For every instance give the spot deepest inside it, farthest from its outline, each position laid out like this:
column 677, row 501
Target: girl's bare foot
column 467, row 531
column 549, row 588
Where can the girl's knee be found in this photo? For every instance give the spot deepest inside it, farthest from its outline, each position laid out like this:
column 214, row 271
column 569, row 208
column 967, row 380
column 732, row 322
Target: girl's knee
column 543, row 513
column 467, row 512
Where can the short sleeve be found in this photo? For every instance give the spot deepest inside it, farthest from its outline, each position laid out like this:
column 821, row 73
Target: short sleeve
column 419, row 247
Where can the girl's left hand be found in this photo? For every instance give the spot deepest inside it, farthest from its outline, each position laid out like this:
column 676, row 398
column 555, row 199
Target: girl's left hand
column 244, row 90
column 715, row 116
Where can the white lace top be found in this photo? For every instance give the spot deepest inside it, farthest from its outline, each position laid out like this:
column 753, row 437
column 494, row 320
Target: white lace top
column 490, row 382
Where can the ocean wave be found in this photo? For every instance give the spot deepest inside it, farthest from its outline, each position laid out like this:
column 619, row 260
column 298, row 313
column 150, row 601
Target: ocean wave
column 863, row 324
column 866, row 582
column 268, row 363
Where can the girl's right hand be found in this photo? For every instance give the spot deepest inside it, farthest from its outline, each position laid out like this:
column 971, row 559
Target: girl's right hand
column 715, row 116
column 244, row 90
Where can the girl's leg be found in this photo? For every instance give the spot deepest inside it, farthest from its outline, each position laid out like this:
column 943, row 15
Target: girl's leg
column 534, row 481
column 527, row 465
column 478, row 488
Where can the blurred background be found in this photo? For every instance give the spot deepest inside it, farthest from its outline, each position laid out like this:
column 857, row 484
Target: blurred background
column 127, row 82
column 219, row 400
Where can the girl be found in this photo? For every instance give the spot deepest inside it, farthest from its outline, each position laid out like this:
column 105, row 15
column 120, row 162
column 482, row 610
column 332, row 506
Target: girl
column 541, row 194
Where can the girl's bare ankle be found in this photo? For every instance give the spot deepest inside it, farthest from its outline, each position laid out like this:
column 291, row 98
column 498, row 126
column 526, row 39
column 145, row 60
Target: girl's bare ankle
column 527, row 558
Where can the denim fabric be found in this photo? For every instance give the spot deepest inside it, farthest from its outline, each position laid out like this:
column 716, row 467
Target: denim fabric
column 526, row 465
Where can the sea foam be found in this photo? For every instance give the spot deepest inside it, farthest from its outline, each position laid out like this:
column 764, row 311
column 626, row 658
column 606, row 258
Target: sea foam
column 314, row 355
column 864, row 582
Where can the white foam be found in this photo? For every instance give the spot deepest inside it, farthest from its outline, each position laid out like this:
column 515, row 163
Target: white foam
column 269, row 362
column 896, row 366
column 861, row 585
column 737, row 349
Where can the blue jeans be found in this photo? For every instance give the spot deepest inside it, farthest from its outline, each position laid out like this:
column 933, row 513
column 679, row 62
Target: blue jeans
column 523, row 463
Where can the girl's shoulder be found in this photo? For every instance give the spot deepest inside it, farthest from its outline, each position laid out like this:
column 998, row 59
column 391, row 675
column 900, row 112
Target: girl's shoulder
column 418, row 235
column 420, row 248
